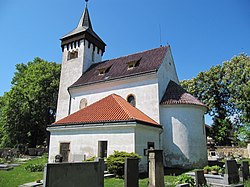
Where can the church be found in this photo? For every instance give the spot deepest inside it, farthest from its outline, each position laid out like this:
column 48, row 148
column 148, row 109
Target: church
column 132, row 103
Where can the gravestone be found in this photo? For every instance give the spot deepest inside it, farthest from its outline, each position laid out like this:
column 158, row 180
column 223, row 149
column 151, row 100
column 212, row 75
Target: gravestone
column 156, row 169
column 131, row 172
column 199, row 178
column 244, row 170
column 231, row 175
column 84, row 174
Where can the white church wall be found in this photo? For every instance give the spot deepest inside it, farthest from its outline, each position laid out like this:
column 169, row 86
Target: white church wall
column 166, row 72
column 130, row 137
column 184, row 136
column 145, row 134
column 84, row 140
column 144, row 88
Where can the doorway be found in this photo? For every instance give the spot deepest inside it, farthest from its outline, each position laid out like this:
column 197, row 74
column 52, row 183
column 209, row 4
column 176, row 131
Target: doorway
column 64, row 151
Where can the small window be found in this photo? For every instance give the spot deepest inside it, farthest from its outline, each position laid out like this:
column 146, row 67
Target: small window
column 103, row 71
column 133, row 64
column 131, row 99
column 72, row 54
column 83, row 103
column 102, row 149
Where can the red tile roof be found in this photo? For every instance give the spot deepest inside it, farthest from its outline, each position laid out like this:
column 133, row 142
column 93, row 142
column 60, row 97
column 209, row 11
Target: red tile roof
column 148, row 61
column 175, row 94
column 112, row 108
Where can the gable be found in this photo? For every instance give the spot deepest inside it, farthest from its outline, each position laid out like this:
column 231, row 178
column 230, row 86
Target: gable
column 144, row 62
column 109, row 109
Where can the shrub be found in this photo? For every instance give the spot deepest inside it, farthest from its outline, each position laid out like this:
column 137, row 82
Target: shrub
column 2, row 160
column 181, row 179
column 221, row 171
column 34, row 167
column 207, row 169
column 116, row 161
column 215, row 168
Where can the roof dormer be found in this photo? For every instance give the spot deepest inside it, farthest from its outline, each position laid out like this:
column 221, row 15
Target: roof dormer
column 133, row 64
column 104, row 70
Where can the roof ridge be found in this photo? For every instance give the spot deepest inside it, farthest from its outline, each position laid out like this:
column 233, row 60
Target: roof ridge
column 117, row 99
column 134, row 53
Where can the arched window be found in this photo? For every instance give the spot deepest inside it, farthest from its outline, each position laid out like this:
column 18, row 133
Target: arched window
column 83, row 103
column 131, row 100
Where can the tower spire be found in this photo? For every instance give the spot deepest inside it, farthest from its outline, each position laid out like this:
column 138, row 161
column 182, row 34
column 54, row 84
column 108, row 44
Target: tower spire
column 84, row 31
column 85, row 19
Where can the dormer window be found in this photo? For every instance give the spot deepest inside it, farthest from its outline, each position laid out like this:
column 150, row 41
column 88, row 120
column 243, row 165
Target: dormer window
column 72, row 54
column 133, row 64
column 103, row 71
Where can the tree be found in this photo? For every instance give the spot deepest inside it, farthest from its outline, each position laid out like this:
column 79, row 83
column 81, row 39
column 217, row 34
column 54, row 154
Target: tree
column 225, row 90
column 237, row 80
column 30, row 105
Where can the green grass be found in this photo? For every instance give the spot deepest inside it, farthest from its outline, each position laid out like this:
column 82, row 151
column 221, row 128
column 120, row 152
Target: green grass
column 247, row 183
column 114, row 182
column 19, row 175
column 244, row 159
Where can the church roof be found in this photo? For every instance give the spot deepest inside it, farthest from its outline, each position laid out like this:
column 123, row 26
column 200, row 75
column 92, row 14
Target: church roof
column 147, row 61
column 175, row 94
column 84, row 30
column 112, row 108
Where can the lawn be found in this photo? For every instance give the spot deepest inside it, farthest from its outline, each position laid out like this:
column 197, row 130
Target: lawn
column 19, row 175
column 113, row 182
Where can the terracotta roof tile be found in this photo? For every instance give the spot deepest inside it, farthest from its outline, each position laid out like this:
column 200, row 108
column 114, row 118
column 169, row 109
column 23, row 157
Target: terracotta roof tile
column 109, row 109
column 175, row 94
column 148, row 61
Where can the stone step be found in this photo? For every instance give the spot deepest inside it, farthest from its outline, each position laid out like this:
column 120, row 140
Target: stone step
column 32, row 184
column 108, row 175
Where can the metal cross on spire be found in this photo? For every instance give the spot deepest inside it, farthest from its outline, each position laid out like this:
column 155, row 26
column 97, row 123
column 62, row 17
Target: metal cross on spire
column 86, row 2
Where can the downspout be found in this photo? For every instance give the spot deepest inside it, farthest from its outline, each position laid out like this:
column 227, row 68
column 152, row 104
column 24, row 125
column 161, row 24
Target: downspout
column 160, row 142
column 69, row 110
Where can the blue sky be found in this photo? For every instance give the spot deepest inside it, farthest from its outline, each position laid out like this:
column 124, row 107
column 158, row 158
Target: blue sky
column 201, row 33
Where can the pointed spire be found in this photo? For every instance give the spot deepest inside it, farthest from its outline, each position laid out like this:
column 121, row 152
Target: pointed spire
column 85, row 19
column 84, row 30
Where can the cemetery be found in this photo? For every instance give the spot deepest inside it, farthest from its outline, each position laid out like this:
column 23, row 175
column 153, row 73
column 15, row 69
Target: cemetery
column 93, row 173
column 121, row 122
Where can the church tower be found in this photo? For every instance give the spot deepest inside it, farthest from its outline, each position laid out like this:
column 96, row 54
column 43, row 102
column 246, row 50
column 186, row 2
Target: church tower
column 80, row 48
